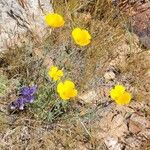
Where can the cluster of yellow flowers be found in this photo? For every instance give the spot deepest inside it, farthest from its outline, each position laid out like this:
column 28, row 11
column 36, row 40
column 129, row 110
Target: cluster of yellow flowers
column 66, row 89
column 55, row 73
column 80, row 36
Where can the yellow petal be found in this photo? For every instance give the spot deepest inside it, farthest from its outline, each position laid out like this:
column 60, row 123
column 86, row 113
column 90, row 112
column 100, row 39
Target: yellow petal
column 66, row 90
column 76, row 32
column 114, row 94
column 60, row 73
column 54, row 68
column 52, row 71
column 63, row 96
column 124, row 98
column 69, row 84
column 74, row 93
column 57, row 75
column 86, row 33
column 81, row 36
column 120, row 89
column 83, row 42
column 60, row 87
column 54, row 20
column 68, row 94
column 55, row 78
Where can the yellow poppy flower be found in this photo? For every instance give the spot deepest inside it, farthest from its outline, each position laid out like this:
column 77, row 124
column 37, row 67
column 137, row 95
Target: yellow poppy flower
column 124, row 98
column 81, row 36
column 120, row 96
column 54, row 20
column 114, row 93
column 66, row 90
column 55, row 73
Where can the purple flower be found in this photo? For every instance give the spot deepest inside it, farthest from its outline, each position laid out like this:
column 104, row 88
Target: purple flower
column 25, row 91
column 26, row 96
column 29, row 98
column 18, row 104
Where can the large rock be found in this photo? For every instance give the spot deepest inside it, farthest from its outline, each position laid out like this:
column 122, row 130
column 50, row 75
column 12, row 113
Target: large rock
column 19, row 18
column 139, row 11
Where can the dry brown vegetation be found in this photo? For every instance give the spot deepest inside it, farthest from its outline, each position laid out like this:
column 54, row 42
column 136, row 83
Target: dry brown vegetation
column 93, row 120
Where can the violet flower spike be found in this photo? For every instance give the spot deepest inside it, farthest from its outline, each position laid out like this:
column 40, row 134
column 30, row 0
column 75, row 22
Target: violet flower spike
column 18, row 104
column 29, row 99
column 26, row 96
column 25, row 91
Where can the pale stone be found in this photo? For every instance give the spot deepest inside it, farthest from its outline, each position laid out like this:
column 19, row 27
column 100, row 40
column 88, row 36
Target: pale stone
column 19, row 18
column 109, row 76
column 89, row 96
column 112, row 143
column 134, row 127
column 141, row 120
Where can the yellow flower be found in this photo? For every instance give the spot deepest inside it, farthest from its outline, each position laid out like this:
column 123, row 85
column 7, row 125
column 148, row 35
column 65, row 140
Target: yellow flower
column 124, row 98
column 54, row 20
column 119, row 89
column 66, row 90
column 81, row 36
column 120, row 96
column 55, row 73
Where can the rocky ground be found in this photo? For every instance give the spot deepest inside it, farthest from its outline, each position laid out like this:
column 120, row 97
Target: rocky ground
column 93, row 121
